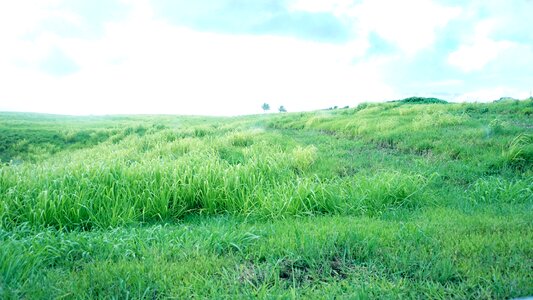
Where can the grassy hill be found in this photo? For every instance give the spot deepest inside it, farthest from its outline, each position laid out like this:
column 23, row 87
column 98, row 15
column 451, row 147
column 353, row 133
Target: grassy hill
column 406, row 199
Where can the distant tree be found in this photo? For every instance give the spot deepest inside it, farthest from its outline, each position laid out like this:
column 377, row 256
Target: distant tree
column 265, row 107
column 282, row 109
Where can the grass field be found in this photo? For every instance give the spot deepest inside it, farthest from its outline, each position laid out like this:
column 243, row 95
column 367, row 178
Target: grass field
column 406, row 199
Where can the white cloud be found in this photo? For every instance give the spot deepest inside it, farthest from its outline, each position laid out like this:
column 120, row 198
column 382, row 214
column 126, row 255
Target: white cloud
column 480, row 50
column 475, row 56
column 411, row 25
column 20, row 17
column 19, row 20
column 337, row 7
column 142, row 65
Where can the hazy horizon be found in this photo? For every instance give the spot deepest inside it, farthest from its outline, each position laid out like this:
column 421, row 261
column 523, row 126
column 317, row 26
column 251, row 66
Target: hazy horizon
column 229, row 115
column 229, row 57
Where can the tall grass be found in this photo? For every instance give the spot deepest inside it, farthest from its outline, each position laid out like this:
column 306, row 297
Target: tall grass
column 148, row 179
column 156, row 173
column 482, row 129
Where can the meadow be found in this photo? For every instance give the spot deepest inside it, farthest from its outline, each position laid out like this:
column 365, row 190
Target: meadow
column 406, row 199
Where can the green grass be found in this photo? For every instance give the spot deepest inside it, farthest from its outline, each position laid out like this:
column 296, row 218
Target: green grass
column 407, row 199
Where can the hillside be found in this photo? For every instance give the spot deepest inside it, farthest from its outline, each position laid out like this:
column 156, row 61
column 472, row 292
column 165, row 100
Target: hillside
column 403, row 199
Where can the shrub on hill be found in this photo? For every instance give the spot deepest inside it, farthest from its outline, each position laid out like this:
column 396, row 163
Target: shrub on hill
column 421, row 100
column 503, row 99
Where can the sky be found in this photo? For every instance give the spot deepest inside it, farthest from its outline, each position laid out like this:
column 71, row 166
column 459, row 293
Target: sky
column 228, row 57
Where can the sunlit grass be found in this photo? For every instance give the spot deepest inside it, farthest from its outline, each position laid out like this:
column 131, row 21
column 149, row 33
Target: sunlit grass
column 393, row 200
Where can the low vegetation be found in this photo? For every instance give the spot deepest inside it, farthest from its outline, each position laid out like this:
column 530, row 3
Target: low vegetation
column 406, row 199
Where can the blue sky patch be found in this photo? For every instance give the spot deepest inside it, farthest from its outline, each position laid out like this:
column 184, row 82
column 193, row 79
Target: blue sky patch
column 253, row 17
column 58, row 64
